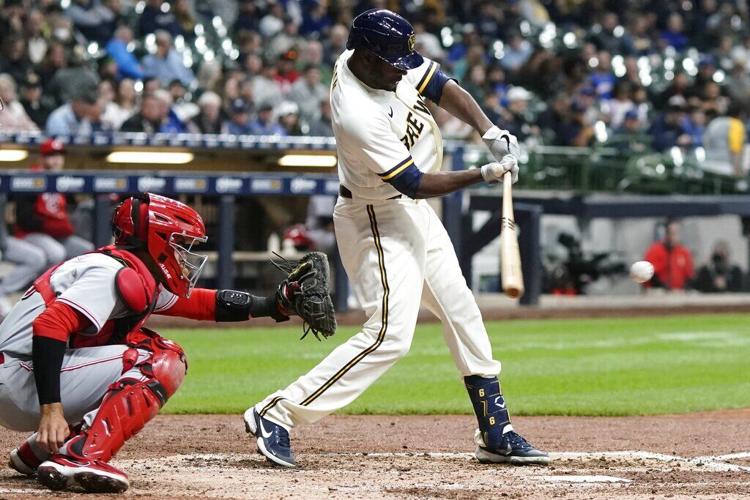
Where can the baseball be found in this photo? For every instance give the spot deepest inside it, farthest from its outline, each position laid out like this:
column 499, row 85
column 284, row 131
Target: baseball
column 641, row 271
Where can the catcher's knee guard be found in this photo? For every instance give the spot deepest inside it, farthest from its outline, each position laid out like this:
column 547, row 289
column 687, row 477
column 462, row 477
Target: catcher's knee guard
column 130, row 403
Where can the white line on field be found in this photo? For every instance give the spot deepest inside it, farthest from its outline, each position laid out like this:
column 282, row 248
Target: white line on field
column 715, row 463
column 21, row 491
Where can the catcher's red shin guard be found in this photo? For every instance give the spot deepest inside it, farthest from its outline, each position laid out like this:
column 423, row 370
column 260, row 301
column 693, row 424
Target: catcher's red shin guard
column 130, row 403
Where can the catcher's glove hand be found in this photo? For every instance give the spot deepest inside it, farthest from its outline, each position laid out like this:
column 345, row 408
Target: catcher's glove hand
column 304, row 292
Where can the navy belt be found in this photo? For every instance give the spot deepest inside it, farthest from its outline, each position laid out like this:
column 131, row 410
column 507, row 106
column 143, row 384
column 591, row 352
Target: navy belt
column 345, row 193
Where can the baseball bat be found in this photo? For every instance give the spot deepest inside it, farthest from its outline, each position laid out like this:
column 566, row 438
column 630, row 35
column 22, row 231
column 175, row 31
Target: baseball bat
column 510, row 256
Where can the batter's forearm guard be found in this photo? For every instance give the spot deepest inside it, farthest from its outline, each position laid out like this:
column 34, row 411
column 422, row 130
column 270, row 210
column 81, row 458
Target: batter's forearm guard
column 235, row 305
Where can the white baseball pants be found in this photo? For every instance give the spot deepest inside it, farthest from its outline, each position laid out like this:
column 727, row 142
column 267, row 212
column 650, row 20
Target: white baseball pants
column 397, row 254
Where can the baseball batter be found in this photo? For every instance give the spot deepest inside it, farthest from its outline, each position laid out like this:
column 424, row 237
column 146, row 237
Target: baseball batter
column 394, row 247
column 76, row 363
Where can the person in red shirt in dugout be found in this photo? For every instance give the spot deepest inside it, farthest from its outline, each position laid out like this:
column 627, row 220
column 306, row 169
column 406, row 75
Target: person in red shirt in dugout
column 673, row 263
column 43, row 220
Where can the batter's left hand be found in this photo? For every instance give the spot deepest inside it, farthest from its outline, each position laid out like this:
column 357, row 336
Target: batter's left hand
column 494, row 172
column 501, row 143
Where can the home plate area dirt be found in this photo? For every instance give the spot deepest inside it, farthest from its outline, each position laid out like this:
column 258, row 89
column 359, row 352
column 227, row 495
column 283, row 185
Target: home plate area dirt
column 203, row 456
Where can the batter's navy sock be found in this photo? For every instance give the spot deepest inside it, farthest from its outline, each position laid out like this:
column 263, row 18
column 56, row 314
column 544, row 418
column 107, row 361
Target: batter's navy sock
column 489, row 406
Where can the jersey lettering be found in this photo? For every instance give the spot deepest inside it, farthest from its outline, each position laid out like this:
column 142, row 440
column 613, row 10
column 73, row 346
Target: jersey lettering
column 421, row 106
column 414, row 128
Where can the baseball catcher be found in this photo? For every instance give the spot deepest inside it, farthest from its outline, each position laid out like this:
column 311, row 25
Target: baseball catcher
column 76, row 363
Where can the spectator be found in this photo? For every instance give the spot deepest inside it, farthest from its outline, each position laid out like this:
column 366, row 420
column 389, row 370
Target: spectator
column 315, row 19
column 616, row 108
column 428, row 44
column 335, row 44
column 575, row 129
column 239, row 119
column 54, row 60
column 738, row 83
column 149, row 119
column 265, row 124
column 95, row 21
column 181, row 104
column 127, row 64
column 696, row 126
column 287, row 40
column 151, row 84
column 110, row 111
column 668, row 129
column 630, row 138
column 209, row 75
column 517, row 119
column 156, row 16
column 602, row 79
column 307, row 92
column 286, row 71
column 173, row 123
column 673, row 263
column 608, row 38
column 209, row 119
column 517, row 52
column 74, row 118
column 265, row 88
column 476, row 82
column 124, row 103
column 28, row 263
column 43, row 220
column 289, row 119
column 36, row 41
column 273, row 22
column 70, row 80
column 247, row 17
column 719, row 274
column 185, row 18
column 724, row 141
column 674, row 36
column 13, row 59
column 32, row 100
column 323, row 126
column 166, row 65
column 13, row 117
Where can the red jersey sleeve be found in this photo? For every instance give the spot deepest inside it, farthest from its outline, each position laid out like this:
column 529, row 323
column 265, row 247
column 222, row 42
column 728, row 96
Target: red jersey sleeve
column 201, row 305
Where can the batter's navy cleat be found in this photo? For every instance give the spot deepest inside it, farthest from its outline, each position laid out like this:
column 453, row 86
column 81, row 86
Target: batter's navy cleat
column 61, row 472
column 272, row 439
column 512, row 449
column 496, row 440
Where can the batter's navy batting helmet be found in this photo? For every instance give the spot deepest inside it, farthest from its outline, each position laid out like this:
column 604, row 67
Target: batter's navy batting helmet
column 387, row 35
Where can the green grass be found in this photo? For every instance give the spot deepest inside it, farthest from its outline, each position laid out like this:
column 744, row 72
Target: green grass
column 550, row 367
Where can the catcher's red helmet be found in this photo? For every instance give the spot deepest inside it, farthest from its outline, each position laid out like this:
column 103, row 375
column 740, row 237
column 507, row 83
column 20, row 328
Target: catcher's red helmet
column 167, row 230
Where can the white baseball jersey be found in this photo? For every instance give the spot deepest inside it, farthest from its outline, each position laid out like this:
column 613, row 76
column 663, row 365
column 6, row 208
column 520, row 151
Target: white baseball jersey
column 380, row 132
column 396, row 252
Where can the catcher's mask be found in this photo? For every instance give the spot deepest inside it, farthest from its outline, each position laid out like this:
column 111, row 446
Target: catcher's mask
column 167, row 230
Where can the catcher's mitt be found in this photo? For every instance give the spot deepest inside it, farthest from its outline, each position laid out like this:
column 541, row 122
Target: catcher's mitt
column 305, row 292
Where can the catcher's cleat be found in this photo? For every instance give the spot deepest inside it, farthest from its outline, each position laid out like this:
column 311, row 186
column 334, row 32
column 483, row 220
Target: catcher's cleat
column 512, row 449
column 61, row 472
column 272, row 439
column 23, row 460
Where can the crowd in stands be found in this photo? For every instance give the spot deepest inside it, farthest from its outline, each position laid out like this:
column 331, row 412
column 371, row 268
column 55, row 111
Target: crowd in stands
column 635, row 75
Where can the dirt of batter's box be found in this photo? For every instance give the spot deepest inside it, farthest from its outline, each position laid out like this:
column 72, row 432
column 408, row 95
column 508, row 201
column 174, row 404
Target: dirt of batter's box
column 203, row 456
